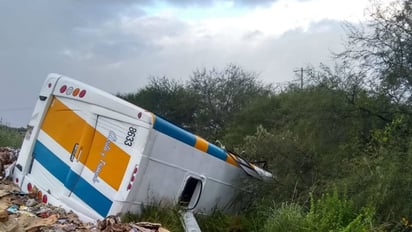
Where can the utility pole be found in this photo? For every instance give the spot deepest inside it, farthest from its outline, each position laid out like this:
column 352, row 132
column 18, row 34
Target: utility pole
column 301, row 76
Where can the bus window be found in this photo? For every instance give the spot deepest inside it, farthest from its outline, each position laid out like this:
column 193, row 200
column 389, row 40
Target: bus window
column 191, row 193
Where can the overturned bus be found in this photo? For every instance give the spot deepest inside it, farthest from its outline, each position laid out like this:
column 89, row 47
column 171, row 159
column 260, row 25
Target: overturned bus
column 98, row 155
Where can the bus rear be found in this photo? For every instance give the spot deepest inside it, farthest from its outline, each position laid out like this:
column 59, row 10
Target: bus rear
column 82, row 149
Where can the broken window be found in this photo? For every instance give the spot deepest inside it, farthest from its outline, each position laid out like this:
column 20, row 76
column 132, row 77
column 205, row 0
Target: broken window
column 191, row 193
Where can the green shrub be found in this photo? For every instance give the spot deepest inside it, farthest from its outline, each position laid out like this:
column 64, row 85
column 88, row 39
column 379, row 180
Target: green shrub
column 330, row 213
column 334, row 213
column 289, row 217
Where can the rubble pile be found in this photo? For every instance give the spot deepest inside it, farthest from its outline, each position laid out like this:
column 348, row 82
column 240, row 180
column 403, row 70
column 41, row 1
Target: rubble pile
column 112, row 223
column 25, row 212
column 7, row 157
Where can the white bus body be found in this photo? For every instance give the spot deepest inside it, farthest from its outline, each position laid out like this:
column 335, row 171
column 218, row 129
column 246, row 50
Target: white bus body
column 98, row 155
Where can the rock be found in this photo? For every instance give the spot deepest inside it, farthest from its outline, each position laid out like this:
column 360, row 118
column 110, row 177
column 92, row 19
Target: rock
column 4, row 216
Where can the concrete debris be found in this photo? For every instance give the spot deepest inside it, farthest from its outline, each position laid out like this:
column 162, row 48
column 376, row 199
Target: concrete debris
column 25, row 212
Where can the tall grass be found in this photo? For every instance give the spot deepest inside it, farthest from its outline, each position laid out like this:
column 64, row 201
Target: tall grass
column 331, row 212
column 167, row 215
column 170, row 218
column 334, row 212
column 288, row 217
column 11, row 137
column 218, row 221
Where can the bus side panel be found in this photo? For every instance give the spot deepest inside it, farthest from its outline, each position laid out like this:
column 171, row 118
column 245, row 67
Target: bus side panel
column 170, row 162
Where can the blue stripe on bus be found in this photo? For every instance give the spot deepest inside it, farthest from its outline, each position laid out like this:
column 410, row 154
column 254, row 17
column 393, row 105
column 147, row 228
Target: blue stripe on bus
column 184, row 136
column 85, row 191
column 216, row 151
column 174, row 131
column 53, row 164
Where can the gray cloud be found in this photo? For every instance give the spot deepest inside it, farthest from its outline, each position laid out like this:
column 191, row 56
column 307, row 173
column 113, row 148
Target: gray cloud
column 253, row 35
column 33, row 36
column 88, row 40
column 187, row 3
column 253, row 2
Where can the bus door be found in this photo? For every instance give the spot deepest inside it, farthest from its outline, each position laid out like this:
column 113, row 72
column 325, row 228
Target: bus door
column 79, row 155
column 106, row 163
column 62, row 146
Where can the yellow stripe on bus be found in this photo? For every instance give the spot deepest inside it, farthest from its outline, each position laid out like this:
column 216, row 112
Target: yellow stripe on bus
column 114, row 161
column 201, row 144
column 64, row 126
column 232, row 160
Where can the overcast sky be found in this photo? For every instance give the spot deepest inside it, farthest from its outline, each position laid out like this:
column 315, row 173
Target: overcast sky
column 118, row 45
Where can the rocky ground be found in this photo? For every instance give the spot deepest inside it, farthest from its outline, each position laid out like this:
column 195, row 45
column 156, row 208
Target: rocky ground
column 24, row 212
